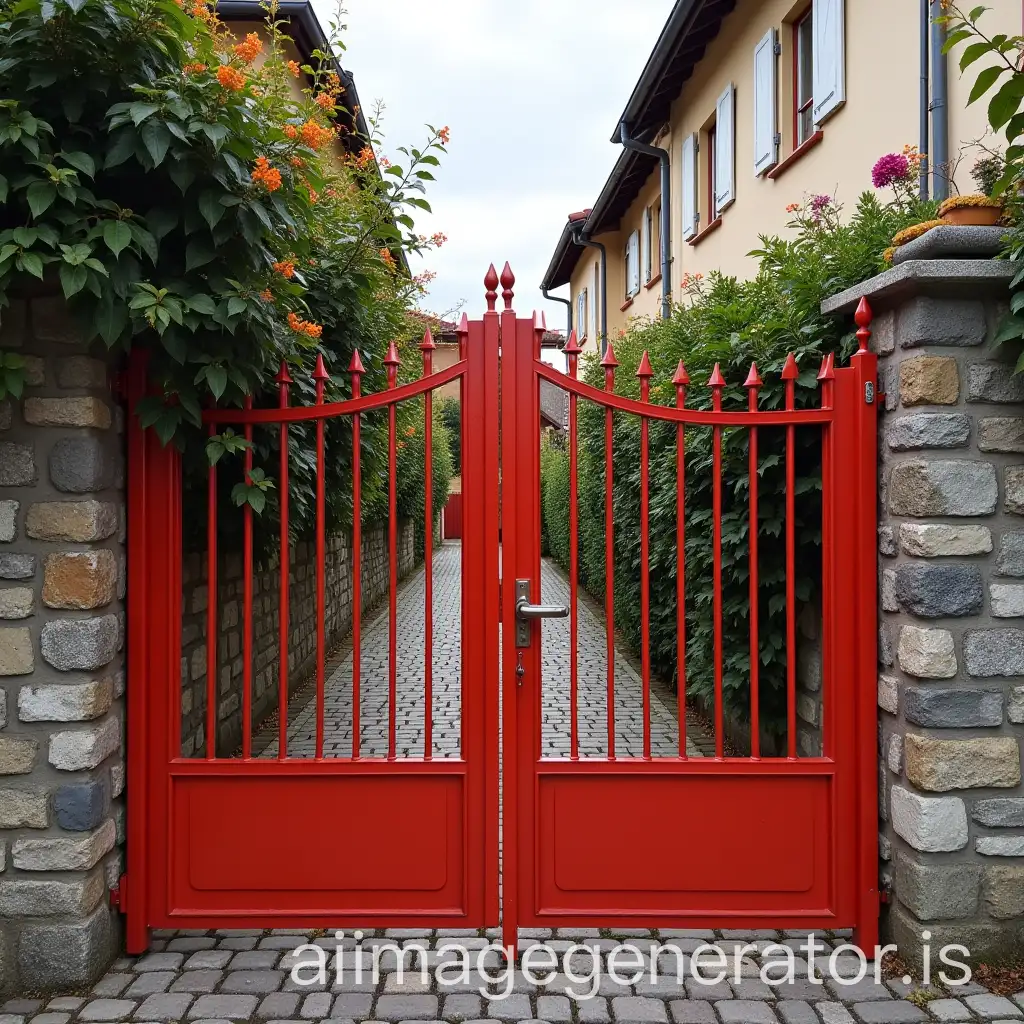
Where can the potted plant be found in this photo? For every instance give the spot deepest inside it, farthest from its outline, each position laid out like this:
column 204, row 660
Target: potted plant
column 980, row 208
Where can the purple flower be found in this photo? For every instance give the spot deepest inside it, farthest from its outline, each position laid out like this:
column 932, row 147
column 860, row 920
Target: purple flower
column 820, row 203
column 889, row 169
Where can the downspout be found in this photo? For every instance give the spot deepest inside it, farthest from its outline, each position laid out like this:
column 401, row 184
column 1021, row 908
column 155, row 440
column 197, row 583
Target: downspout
column 939, row 157
column 922, row 147
column 566, row 302
column 666, row 212
column 581, row 239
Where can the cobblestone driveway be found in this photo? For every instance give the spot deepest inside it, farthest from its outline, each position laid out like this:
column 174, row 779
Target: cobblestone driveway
column 246, row 975
column 446, row 683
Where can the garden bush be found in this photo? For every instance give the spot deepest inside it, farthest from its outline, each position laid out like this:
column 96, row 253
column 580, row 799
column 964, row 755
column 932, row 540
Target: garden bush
column 732, row 323
column 163, row 175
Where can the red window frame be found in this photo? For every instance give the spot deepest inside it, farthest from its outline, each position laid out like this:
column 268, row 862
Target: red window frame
column 798, row 107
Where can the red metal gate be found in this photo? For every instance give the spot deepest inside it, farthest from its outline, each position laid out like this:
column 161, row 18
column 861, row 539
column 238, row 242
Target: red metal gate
column 345, row 838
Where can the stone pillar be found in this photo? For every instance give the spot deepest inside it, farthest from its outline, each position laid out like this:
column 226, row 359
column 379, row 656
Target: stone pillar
column 62, row 579
column 951, row 650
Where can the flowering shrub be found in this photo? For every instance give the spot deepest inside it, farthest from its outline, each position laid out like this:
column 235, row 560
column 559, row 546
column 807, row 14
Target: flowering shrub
column 732, row 323
column 186, row 202
column 900, row 172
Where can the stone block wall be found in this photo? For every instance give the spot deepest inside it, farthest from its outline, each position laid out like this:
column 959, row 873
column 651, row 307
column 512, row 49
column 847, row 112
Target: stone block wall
column 375, row 575
column 62, row 582
column 951, row 574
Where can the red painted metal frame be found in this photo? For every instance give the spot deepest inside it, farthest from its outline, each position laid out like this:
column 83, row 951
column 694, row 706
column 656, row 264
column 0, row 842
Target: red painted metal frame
column 194, row 822
column 686, row 858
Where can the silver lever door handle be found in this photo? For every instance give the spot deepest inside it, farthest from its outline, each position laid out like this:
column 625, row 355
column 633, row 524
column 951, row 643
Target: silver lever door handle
column 526, row 613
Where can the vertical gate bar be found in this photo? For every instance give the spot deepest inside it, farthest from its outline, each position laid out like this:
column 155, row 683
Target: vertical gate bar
column 752, row 384
column 283, row 380
column 320, row 377
column 789, row 375
column 391, row 362
column 645, row 373
column 211, row 608
column 716, row 383
column 609, row 362
column 355, row 367
column 572, row 351
column 681, row 380
column 865, row 365
column 826, row 376
column 427, row 348
column 247, row 598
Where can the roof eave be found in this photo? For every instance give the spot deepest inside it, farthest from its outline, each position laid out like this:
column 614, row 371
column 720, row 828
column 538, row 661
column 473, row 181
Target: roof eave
column 556, row 276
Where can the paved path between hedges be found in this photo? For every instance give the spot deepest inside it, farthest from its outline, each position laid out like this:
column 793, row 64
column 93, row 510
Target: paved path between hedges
column 447, row 566
column 239, row 975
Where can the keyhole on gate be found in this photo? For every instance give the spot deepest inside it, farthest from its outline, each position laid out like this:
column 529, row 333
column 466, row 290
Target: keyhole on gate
column 520, row 671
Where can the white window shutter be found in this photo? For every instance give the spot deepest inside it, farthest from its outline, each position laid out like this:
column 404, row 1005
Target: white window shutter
column 725, row 149
column 766, row 150
column 633, row 263
column 689, row 186
column 829, row 57
column 645, row 244
column 581, row 313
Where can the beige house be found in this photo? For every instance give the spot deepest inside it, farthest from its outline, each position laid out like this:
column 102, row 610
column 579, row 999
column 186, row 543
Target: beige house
column 744, row 107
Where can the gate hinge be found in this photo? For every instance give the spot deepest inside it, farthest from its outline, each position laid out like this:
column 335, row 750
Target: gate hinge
column 119, row 895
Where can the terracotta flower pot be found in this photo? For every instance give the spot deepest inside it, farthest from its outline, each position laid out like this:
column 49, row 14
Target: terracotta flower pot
column 978, row 216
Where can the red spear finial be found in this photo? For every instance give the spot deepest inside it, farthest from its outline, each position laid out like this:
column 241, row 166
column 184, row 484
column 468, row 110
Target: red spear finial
column 789, row 368
column 320, row 370
column 716, row 380
column 508, row 280
column 391, row 359
column 608, row 360
column 491, row 284
column 753, row 378
column 427, row 344
column 283, row 378
column 863, row 320
column 356, row 364
column 681, row 378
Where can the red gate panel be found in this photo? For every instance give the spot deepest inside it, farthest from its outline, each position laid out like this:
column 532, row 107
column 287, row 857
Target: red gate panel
column 453, row 517
column 649, row 839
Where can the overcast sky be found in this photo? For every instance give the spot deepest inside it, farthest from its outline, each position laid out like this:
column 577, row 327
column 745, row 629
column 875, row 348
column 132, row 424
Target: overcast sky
column 531, row 90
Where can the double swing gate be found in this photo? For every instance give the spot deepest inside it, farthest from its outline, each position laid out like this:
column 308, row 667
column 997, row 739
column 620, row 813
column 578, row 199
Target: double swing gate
column 383, row 781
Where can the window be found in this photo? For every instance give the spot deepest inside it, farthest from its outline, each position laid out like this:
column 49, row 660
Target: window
column 803, row 79
column 689, row 187
column 581, row 314
column 633, row 264
column 724, row 176
column 646, row 243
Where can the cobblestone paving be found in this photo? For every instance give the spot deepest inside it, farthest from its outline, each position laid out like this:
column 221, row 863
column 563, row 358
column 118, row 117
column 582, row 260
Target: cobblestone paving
column 373, row 690
column 239, row 975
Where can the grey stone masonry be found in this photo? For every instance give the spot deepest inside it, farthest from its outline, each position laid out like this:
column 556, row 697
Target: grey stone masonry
column 62, row 579
column 951, row 576
column 302, row 617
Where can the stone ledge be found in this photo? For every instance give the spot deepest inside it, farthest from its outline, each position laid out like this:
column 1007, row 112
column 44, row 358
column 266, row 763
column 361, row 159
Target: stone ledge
column 915, row 277
column 959, row 241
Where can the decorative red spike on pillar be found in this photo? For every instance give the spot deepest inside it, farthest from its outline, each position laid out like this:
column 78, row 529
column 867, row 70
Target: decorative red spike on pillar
column 863, row 318
column 716, row 382
column 681, row 379
column 427, row 347
column 609, row 362
column 355, row 367
column 320, row 377
column 753, row 378
column 789, row 368
column 391, row 361
column 572, row 351
column 508, row 280
column 463, row 333
column 644, row 373
column 283, row 379
column 491, row 284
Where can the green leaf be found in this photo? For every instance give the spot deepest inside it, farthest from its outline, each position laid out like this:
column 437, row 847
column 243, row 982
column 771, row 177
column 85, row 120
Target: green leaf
column 976, row 13
column 985, row 80
column 81, row 162
column 40, row 196
column 31, row 263
column 217, row 378
column 956, row 37
column 211, row 208
column 236, row 305
column 145, row 241
column 72, row 279
column 121, row 148
column 24, row 236
column 972, row 53
column 3, row 189
column 161, row 220
column 1010, row 329
column 140, row 111
column 1006, row 102
column 117, row 235
column 198, row 253
column 202, row 304
column 156, row 139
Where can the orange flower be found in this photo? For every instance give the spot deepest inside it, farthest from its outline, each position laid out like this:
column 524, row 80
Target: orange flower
column 250, row 49
column 301, row 326
column 325, row 101
column 389, row 260
column 267, row 295
column 365, row 157
column 792, row 208
column 445, row 134
column 315, row 135
column 286, row 268
column 194, row 68
column 438, row 238
column 297, row 161
column 230, row 78
column 410, row 432
column 269, row 177
column 293, row 67
column 291, row 131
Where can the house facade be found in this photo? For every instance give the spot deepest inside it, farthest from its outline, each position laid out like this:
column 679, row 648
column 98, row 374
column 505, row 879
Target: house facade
column 754, row 105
